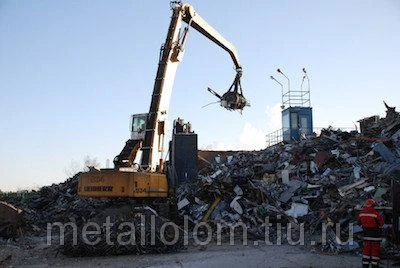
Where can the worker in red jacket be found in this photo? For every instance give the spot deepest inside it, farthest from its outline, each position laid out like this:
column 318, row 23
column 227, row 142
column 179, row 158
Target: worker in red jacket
column 371, row 221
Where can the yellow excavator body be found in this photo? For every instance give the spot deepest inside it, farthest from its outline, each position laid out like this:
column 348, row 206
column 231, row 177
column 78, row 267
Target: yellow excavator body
column 115, row 183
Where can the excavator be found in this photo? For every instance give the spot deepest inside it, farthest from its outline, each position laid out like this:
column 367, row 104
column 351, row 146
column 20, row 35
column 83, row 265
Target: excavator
column 141, row 172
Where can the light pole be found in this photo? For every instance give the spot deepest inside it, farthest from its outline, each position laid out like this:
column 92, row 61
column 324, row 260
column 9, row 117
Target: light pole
column 273, row 78
column 305, row 76
column 287, row 78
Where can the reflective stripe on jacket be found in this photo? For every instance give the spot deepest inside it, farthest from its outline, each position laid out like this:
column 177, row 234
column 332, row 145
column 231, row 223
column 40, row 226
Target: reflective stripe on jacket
column 371, row 221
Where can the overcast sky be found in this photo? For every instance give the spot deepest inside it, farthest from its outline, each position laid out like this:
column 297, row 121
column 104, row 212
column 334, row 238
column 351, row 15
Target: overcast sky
column 72, row 72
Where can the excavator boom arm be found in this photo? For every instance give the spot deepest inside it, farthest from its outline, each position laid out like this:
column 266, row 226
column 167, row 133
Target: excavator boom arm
column 171, row 55
column 197, row 22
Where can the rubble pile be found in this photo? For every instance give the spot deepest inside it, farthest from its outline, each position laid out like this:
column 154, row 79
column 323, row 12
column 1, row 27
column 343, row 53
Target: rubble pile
column 55, row 203
column 317, row 181
column 374, row 126
column 60, row 203
column 118, row 239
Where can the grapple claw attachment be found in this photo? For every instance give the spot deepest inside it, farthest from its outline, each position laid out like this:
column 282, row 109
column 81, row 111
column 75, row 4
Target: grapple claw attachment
column 233, row 99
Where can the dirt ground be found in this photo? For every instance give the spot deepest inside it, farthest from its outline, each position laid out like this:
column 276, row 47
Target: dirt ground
column 34, row 252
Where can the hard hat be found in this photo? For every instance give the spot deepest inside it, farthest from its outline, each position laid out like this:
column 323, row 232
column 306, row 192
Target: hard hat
column 370, row 203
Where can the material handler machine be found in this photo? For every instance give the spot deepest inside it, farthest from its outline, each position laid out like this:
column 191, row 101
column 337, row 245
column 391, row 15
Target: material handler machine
column 150, row 181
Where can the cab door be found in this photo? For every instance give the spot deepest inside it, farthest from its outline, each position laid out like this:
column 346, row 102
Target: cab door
column 294, row 126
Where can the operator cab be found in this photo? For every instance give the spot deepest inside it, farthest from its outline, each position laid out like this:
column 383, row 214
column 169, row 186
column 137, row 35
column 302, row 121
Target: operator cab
column 138, row 126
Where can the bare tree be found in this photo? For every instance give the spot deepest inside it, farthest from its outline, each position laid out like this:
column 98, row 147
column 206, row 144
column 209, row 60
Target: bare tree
column 88, row 162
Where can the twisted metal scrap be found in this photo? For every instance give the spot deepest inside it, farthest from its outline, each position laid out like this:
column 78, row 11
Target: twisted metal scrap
column 143, row 242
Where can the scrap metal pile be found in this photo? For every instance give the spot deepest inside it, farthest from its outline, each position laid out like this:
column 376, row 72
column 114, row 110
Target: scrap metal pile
column 61, row 203
column 55, row 203
column 317, row 181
